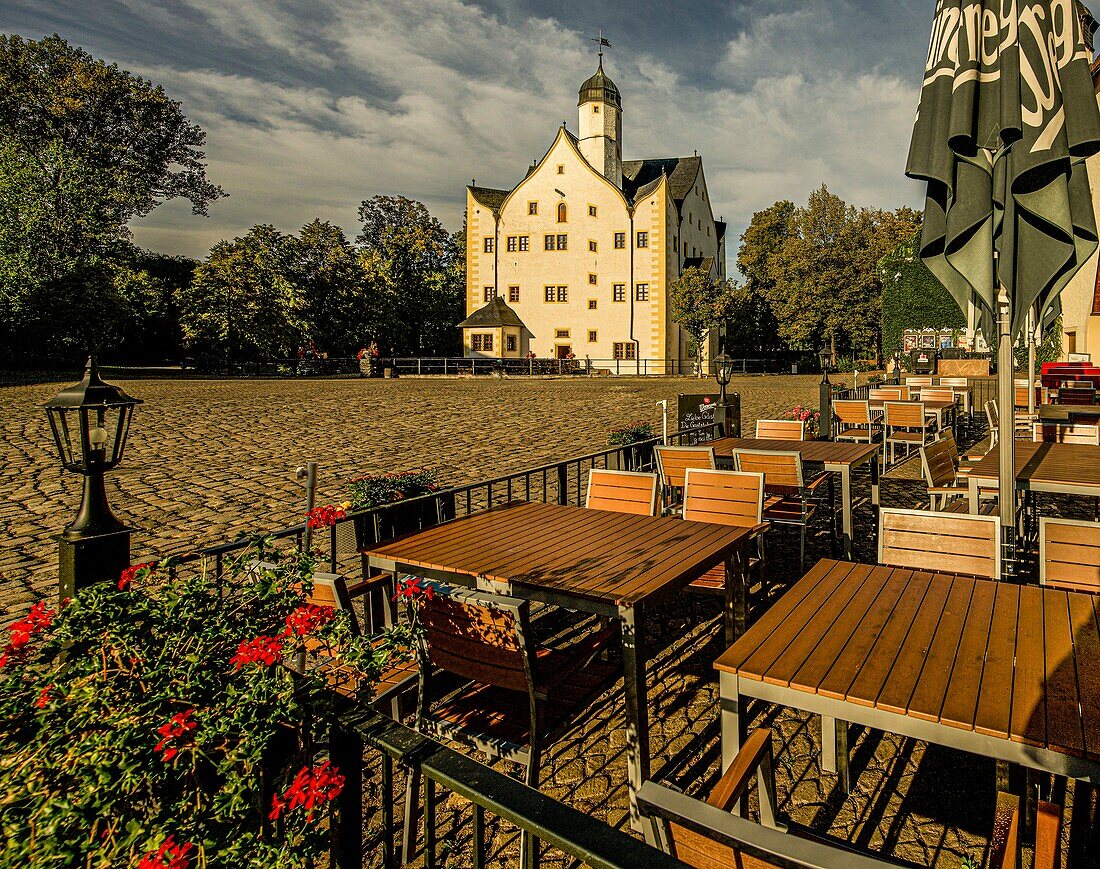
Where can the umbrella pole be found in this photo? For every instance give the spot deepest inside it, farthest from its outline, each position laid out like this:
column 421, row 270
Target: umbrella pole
column 1006, row 436
column 1030, row 364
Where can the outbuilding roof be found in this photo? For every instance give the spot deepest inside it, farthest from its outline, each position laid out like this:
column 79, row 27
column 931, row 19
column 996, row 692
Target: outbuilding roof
column 492, row 314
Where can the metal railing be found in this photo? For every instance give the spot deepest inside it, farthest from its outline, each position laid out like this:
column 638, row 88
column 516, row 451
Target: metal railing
column 555, row 824
column 536, row 367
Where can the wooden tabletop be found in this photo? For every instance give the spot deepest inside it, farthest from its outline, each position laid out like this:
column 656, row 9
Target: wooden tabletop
column 1066, row 464
column 928, row 405
column 816, row 452
column 599, row 555
column 1066, row 412
column 1002, row 660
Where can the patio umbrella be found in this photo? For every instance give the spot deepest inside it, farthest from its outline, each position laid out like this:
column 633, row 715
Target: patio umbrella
column 1006, row 119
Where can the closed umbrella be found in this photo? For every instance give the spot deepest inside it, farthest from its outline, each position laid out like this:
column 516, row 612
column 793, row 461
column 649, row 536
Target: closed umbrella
column 1006, row 119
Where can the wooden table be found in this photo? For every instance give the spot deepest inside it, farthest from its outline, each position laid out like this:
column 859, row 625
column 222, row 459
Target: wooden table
column 836, row 456
column 1085, row 413
column 1006, row 671
column 1067, row 469
column 595, row 561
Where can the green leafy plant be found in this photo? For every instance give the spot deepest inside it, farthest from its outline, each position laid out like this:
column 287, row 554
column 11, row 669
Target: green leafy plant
column 810, row 418
column 630, row 434
column 151, row 722
column 374, row 490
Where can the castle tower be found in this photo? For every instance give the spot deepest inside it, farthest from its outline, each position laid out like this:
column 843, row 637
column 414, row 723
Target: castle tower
column 601, row 126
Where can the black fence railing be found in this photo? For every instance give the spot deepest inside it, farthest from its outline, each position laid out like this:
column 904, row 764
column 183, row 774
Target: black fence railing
column 554, row 824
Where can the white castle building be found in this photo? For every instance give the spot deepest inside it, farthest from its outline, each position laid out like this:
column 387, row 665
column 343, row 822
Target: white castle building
column 577, row 258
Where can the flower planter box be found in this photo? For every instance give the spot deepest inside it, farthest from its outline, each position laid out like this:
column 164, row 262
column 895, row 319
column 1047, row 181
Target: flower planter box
column 404, row 518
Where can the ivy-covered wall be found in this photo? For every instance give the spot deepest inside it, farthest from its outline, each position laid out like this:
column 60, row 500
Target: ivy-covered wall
column 912, row 298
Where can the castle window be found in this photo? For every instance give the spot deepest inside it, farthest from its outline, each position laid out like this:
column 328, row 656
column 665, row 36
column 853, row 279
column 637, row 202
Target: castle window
column 591, row 279
column 592, row 304
column 685, row 250
column 561, row 169
column 561, row 333
column 618, row 293
column 510, row 343
column 561, row 212
column 591, row 210
column 643, row 239
column 624, row 350
column 490, row 293
column 512, row 242
column 592, row 337
column 641, row 292
column 524, row 243
column 563, row 294
column 549, row 297
column 488, row 244
column 592, row 246
column 620, row 240
column 595, row 108
column 532, row 208
column 513, row 294
column 563, row 242
column 480, row 341
column 549, row 242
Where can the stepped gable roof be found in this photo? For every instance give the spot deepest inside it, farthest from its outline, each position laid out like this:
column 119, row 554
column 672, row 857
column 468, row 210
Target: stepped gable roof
column 492, row 314
column 641, row 177
column 490, row 197
column 600, row 87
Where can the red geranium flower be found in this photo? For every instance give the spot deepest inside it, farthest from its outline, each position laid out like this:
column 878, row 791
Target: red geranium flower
column 323, row 517
column 414, row 588
column 130, row 574
column 168, row 856
column 312, row 786
column 262, row 650
column 307, row 618
column 43, row 697
column 38, row 619
column 178, row 725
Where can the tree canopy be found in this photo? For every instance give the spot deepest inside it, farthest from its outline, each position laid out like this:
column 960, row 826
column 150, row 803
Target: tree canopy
column 699, row 303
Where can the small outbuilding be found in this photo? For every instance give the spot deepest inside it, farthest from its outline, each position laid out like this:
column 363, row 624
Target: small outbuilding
column 495, row 331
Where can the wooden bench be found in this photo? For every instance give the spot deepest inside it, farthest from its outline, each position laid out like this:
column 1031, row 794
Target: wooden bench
column 622, row 492
column 1069, row 554
column 945, row 542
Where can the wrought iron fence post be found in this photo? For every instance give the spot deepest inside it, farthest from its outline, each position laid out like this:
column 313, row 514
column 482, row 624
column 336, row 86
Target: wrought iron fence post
column 563, row 484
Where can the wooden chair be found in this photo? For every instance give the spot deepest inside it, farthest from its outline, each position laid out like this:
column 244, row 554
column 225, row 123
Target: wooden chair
column 622, row 492
column 517, row 696
column 1065, row 433
column 711, row 835
column 793, row 500
column 726, row 498
column 945, row 472
column 993, row 418
column 673, row 462
column 780, row 429
column 905, row 423
column 919, row 380
column 1069, row 554
column 855, row 421
column 1023, row 419
column 947, row 542
column 885, row 393
column 961, row 387
column 937, row 393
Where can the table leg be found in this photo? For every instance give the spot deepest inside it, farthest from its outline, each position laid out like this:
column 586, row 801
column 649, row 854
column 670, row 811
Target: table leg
column 846, row 507
column 736, row 595
column 875, row 487
column 732, row 704
column 972, row 485
column 834, row 749
column 637, row 710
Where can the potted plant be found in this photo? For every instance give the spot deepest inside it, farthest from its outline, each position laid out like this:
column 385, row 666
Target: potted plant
column 811, row 420
column 377, row 490
column 639, row 454
column 151, row 722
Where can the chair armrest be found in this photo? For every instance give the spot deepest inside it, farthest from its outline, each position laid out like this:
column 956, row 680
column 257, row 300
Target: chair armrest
column 948, row 490
column 733, row 783
column 821, row 480
column 757, row 530
column 365, row 585
column 568, row 661
column 1004, row 845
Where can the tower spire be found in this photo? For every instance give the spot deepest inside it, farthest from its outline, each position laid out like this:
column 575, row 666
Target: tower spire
column 601, row 43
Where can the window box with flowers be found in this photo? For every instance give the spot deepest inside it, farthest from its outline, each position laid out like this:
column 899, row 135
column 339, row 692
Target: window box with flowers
column 378, row 490
column 638, row 438
column 152, row 723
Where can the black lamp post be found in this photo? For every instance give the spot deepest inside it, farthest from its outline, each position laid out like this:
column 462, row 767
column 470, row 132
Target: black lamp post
column 825, row 394
column 90, row 422
column 723, row 373
column 897, row 363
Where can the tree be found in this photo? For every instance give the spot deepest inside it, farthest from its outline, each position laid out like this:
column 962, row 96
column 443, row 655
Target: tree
column 84, row 148
column 414, row 263
column 699, row 302
column 243, row 303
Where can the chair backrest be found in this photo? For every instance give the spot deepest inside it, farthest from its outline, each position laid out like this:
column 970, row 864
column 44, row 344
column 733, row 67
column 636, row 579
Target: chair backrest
column 955, row 382
column 622, row 491
column 724, row 497
column 1020, row 395
column 673, row 461
column 944, row 542
column 903, row 414
column 903, row 392
column 885, row 393
column 1021, row 381
column 919, row 380
column 1066, row 433
column 938, row 463
column 782, row 470
column 331, row 589
column 1078, row 395
column 853, row 412
column 937, row 393
column 994, row 419
column 780, row 429
column 1069, row 554
column 476, row 635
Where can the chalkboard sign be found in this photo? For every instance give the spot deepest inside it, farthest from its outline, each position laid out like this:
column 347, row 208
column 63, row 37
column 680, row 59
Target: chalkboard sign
column 693, row 411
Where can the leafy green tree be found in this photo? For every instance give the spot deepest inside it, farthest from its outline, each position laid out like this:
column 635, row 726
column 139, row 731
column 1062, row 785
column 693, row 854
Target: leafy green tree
column 244, row 303
column 699, row 303
column 84, row 148
column 411, row 258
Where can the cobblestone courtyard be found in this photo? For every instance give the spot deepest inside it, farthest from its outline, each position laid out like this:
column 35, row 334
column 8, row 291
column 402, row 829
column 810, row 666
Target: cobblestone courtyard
column 210, row 458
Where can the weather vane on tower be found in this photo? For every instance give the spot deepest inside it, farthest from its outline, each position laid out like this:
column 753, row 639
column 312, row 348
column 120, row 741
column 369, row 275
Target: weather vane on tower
column 601, row 43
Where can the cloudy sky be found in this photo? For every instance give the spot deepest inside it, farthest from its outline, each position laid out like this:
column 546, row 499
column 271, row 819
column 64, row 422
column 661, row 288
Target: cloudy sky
column 311, row 106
